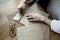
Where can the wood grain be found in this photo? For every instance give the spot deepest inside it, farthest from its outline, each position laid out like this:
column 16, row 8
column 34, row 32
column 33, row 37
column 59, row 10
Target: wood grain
column 7, row 8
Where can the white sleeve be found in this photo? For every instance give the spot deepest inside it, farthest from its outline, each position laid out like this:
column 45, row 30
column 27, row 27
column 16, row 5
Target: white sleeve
column 55, row 26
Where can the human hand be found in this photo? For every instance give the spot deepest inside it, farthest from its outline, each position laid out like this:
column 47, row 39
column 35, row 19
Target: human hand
column 35, row 17
column 21, row 7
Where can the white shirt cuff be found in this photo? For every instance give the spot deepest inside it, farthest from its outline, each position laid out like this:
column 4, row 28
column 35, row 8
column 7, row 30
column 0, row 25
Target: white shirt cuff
column 55, row 26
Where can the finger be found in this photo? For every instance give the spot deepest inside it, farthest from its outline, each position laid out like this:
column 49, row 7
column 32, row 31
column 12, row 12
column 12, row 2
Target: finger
column 32, row 20
column 29, row 17
column 28, row 14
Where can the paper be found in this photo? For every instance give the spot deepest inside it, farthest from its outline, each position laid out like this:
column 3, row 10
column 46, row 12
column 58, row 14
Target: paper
column 33, row 30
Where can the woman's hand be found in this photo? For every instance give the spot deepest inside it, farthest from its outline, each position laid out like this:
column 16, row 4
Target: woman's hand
column 35, row 17
column 38, row 17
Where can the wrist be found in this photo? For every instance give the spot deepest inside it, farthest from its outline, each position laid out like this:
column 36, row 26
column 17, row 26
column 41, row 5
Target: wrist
column 47, row 20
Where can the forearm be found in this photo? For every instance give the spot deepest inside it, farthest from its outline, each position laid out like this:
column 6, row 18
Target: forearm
column 54, row 24
column 47, row 20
